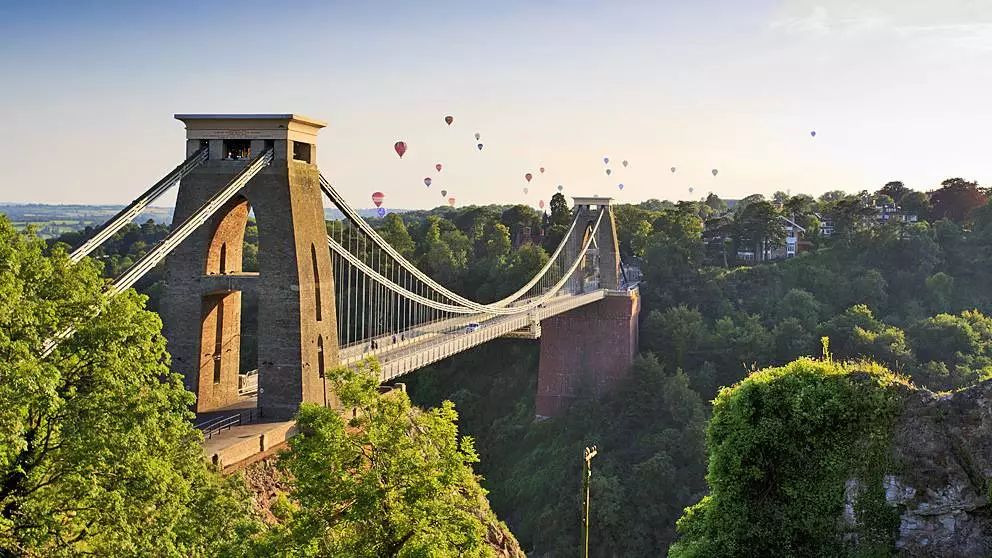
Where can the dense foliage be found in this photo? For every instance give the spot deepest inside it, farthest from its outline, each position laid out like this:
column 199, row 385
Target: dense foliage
column 97, row 451
column 389, row 480
column 783, row 445
column 649, row 433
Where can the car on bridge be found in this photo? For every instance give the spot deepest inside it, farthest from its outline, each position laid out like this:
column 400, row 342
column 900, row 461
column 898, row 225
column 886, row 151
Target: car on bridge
column 472, row 327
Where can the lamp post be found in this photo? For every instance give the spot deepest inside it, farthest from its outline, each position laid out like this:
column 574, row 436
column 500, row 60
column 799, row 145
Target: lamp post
column 587, row 475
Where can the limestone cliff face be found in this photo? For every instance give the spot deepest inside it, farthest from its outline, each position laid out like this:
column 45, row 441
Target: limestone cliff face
column 267, row 482
column 941, row 473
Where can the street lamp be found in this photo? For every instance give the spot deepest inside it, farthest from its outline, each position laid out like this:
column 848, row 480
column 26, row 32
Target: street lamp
column 589, row 454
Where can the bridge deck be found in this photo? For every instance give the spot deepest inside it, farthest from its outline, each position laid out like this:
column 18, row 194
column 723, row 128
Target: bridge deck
column 449, row 337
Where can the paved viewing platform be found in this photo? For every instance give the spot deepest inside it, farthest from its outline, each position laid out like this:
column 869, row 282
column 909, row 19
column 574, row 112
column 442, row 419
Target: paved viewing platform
column 238, row 446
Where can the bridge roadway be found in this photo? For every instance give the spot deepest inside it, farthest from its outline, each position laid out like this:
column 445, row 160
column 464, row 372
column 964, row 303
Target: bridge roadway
column 430, row 343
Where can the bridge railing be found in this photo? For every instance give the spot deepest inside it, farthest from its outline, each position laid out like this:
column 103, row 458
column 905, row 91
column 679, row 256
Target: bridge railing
column 248, row 383
column 212, row 427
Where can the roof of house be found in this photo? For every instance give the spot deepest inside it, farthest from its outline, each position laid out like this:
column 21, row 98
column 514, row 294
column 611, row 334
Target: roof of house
column 791, row 222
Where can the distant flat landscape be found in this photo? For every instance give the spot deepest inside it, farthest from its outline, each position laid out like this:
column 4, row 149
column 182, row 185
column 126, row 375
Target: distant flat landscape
column 49, row 221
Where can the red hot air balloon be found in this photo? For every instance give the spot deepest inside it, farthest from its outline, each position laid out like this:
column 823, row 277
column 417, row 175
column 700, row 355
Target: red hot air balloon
column 451, row 202
column 541, row 169
column 427, row 181
column 540, row 204
column 449, row 119
column 400, row 148
column 528, row 176
column 438, row 167
column 377, row 198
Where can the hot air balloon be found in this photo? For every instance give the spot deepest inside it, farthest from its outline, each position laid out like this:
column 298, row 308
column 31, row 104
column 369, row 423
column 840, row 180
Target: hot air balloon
column 526, row 190
column 624, row 163
column 449, row 119
column 673, row 170
column 714, row 171
column 478, row 136
column 427, row 181
column 813, row 133
column 444, row 193
column 540, row 204
column 528, row 176
column 381, row 212
column 377, row 198
column 606, row 160
column 541, row 170
column 438, row 167
column 560, row 187
column 620, row 186
column 400, row 148
column 480, row 147
column 690, row 189
column 451, row 202
column 608, row 172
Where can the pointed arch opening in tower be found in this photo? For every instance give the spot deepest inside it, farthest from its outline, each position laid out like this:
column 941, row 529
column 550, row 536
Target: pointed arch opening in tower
column 229, row 336
column 316, row 282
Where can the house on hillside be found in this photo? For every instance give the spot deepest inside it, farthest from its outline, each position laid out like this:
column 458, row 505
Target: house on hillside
column 885, row 213
column 792, row 246
column 794, row 242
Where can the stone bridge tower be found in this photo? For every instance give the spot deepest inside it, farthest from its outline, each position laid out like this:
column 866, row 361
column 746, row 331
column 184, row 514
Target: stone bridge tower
column 592, row 346
column 202, row 304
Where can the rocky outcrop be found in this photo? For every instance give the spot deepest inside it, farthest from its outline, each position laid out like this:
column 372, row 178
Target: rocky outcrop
column 941, row 474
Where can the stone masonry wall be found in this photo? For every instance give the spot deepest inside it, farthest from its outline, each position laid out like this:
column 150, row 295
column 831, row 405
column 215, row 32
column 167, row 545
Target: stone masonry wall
column 287, row 203
column 593, row 345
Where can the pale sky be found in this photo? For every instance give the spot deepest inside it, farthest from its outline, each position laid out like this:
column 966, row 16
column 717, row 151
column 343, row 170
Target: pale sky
column 895, row 89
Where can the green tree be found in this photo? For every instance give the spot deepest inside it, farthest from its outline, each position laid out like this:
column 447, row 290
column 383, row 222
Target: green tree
column 97, row 451
column 391, row 481
column 783, row 445
column 792, row 340
column 894, row 190
column 856, row 333
column 916, row 203
column 393, row 230
column 941, row 286
column 832, row 196
column 715, row 203
column 498, row 243
column 757, row 226
column 639, row 240
column 943, row 338
column 519, row 216
column 675, row 335
column 797, row 207
column 437, row 257
column 801, row 305
column 955, row 199
column 850, row 215
column 523, row 265
column 560, row 214
column 981, row 223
